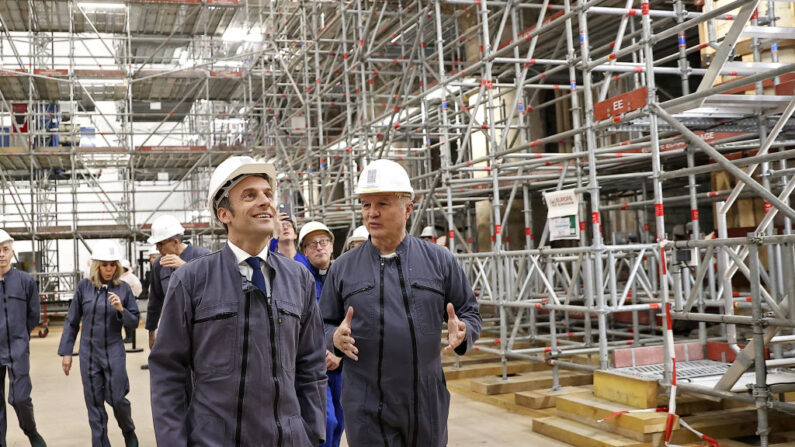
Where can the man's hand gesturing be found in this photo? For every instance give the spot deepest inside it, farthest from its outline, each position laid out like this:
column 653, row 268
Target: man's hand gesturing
column 342, row 337
column 456, row 329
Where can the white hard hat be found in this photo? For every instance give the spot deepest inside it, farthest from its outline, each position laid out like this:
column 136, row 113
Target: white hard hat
column 230, row 173
column 359, row 234
column 153, row 251
column 106, row 251
column 428, row 232
column 125, row 264
column 165, row 227
column 311, row 227
column 5, row 237
column 384, row 176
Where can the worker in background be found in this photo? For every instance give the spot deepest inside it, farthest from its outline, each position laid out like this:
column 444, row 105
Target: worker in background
column 21, row 308
column 129, row 277
column 135, row 285
column 167, row 234
column 317, row 243
column 383, row 305
column 103, row 303
column 358, row 237
column 246, row 324
column 284, row 238
column 152, row 254
column 428, row 234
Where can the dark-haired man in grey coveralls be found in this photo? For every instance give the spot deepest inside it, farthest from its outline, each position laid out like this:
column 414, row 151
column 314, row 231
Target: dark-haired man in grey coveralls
column 247, row 324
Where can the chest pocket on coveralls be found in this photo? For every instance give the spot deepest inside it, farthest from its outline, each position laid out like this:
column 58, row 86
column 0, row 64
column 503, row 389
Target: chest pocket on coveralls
column 363, row 297
column 428, row 303
column 288, row 326
column 215, row 330
column 17, row 310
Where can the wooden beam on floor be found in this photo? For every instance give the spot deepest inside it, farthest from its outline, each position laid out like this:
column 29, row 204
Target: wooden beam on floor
column 527, row 382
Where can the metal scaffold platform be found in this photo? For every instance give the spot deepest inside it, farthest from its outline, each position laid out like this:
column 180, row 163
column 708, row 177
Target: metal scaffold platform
column 669, row 122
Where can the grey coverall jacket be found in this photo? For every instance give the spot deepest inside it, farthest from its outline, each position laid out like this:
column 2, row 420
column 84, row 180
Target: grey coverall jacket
column 157, row 288
column 19, row 315
column 396, row 394
column 103, row 363
column 258, row 362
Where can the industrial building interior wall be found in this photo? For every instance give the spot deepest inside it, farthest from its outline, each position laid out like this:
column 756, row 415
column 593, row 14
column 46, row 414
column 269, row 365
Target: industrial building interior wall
column 668, row 122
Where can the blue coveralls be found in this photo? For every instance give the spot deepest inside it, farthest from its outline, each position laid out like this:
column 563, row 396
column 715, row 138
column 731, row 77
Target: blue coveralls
column 258, row 361
column 19, row 315
column 102, row 356
column 159, row 284
column 396, row 394
column 335, row 419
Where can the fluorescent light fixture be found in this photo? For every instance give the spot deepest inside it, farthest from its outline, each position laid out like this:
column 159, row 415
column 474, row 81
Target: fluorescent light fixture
column 93, row 82
column 101, row 5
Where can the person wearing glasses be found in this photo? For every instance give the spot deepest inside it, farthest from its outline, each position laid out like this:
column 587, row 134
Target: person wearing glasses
column 167, row 234
column 316, row 242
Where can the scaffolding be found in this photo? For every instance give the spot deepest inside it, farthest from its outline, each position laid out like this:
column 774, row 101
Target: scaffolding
column 656, row 114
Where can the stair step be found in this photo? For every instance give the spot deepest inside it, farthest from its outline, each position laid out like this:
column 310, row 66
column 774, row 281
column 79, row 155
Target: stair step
column 539, row 399
column 588, row 409
column 634, row 391
column 581, row 435
column 527, row 382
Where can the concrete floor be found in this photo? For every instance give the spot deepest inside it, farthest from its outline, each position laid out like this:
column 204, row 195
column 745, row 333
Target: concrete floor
column 62, row 420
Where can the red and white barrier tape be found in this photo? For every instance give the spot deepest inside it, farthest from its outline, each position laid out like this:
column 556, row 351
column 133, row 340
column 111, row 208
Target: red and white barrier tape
column 711, row 442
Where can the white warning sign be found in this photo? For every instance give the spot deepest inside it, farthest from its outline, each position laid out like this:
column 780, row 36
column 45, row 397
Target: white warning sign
column 562, row 212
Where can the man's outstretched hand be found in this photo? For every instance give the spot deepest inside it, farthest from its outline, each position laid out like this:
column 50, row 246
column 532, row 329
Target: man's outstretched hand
column 342, row 337
column 456, row 329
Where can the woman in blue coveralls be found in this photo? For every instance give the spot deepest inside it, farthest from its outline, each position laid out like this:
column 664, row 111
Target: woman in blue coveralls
column 316, row 242
column 105, row 304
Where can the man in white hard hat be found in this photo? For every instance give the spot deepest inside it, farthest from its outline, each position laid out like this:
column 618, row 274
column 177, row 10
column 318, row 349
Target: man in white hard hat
column 245, row 323
column 358, row 237
column 19, row 297
column 316, row 242
column 383, row 306
column 428, row 234
column 167, row 234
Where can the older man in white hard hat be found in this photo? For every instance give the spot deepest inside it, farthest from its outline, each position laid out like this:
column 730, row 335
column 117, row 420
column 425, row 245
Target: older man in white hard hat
column 20, row 301
column 245, row 323
column 316, row 242
column 428, row 234
column 358, row 237
column 167, row 234
column 383, row 306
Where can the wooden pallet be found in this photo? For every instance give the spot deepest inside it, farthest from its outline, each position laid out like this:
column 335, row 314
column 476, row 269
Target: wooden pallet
column 581, row 435
column 490, row 369
column 527, row 382
column 539, row 399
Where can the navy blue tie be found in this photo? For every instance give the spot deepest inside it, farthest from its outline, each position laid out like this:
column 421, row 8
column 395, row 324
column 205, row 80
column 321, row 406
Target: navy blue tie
column 257, row 278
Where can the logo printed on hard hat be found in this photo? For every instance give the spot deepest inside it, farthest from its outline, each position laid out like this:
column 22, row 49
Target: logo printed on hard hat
column 371, row 176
